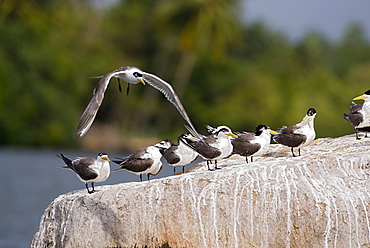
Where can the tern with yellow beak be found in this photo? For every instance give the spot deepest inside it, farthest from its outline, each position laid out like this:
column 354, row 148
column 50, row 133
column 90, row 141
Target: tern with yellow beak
column 212, row 147
column 359, row 114
column 253, row 144
column 299, row 135
column 143, row 161
column 89, row 169
column 178, row 155
column 131, row 75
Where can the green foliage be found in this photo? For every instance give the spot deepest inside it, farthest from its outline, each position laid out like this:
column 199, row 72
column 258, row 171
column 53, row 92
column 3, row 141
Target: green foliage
column 225, row 72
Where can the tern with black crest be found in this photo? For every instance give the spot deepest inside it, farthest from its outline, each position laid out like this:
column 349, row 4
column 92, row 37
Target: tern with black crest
column 131, row 75
column 89, row 169
column 359, row 114
column 178, row 155
column 213, row 147
column 299, row 135
column 143, row 161
column 253, row 144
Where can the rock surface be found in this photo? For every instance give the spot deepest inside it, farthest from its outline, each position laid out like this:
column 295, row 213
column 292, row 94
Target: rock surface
column 320, row 199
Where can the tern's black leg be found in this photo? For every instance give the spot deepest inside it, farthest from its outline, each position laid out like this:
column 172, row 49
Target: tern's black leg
column 128, row 89
column 292, row 151
column 183, row 169
column 208, row 165
column 358, row 138
column 141, row 177
column 119, row 85
column 87, row 187
column 246, row 159
column 299, row 151
column 216, row 165
column 174, row 170
column 92, row 185
column 251, row 159
column 148, row 177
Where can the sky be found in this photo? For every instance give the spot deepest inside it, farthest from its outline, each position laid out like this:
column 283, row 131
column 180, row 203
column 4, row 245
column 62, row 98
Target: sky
column 296, row 17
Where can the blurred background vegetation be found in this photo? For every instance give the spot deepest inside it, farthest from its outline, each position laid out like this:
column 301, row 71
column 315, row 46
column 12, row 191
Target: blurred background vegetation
column 225, row 71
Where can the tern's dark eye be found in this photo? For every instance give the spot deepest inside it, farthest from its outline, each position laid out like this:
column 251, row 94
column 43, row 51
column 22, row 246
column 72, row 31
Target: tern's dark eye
column 225, row 130
column 137, row 74
column 311, row 111
column 261, row 127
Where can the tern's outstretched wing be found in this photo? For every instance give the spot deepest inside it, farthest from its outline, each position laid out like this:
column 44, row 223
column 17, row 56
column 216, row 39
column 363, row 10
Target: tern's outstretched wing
column 92, row 108
column 171, row 96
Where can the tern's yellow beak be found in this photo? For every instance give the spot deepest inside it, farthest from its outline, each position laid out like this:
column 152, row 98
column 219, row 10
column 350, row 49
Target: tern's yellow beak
column 360, row 98
column 141, row 81
column 232, row 135
column 306, row 119
column 106, row 158
column 273, row 132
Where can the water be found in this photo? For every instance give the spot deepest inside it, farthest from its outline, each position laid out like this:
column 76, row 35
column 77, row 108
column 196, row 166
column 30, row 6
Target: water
column 31, row 179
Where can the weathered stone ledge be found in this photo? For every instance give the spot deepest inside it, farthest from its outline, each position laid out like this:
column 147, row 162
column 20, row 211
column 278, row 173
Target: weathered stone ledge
column 320, row 199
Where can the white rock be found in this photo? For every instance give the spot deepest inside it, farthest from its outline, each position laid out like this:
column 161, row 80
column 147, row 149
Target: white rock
column 320, row 199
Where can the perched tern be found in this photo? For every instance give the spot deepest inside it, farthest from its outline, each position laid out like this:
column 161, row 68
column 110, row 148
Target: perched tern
column 213, row 147
column 89, row 169
column 359, row 114
column 143, row 161
column 299, row 135
column 178, row 155
column 253, row 144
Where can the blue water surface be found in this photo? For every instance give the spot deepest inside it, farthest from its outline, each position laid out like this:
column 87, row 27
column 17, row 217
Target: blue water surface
column 31, row 179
